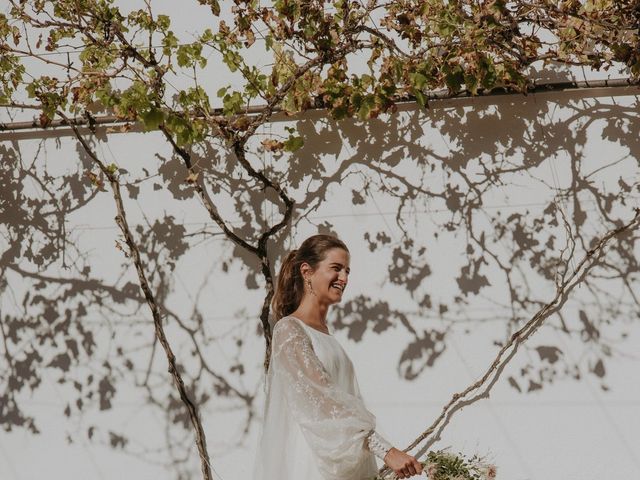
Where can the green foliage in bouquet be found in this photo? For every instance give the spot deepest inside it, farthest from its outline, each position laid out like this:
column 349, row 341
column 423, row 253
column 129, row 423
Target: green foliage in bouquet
column 443, row 465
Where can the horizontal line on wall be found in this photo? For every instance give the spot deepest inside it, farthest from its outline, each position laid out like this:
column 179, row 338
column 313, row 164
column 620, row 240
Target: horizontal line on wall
column 606, row 87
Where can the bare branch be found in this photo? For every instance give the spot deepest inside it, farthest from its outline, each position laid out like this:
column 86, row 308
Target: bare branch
column 121, row 221
column 481, row 388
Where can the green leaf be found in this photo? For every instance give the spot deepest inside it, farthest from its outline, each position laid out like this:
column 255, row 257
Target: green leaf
column 169, row 43
column 163, row 21
column 418, row 80
column 420, row 98
column 152, row 119
column 454, row 77
column 489, row 74
column 340, row 112
column 367, row 104
column 232, row 59
column 184, row 55
column 471, row 83
column 293, row 143
column 207, row 36
column 232, row 103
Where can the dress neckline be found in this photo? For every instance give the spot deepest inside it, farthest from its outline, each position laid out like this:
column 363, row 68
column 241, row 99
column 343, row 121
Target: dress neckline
column 309, row 326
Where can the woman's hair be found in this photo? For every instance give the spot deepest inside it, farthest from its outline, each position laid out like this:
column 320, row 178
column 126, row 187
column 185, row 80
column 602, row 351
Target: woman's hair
column 290, row 284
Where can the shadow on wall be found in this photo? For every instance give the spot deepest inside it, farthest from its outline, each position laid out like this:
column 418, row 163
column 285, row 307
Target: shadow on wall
column 492, row 147
column 461, row 156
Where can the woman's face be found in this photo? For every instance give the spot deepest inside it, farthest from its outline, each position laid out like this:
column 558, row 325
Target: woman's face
column 330, row 277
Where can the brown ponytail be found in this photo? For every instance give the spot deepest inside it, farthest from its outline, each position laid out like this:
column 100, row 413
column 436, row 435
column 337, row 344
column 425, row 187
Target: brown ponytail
column 290, row 284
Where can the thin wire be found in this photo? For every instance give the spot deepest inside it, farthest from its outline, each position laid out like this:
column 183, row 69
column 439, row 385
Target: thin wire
column 80, row 49
column 556, row 181
column 508, row 403
column 365, row 214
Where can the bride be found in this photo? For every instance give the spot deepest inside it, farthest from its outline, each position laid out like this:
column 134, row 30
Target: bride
column 316, row 425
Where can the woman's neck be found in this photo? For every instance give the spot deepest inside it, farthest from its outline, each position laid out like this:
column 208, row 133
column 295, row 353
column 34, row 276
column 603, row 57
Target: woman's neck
column 312, row 313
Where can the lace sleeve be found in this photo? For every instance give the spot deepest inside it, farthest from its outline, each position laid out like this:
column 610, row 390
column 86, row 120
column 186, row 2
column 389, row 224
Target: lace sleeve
column 336, row 424
column 378, row 445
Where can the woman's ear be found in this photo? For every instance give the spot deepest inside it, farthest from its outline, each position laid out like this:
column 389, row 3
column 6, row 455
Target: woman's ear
column 305, row 269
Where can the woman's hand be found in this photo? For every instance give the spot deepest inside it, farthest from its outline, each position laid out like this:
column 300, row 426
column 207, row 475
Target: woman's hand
column 403, row 465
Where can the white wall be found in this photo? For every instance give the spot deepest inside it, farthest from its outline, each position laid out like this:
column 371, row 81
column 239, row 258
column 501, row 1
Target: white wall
column 569, row 428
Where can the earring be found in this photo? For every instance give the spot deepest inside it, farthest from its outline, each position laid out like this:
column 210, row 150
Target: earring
column 310, row 287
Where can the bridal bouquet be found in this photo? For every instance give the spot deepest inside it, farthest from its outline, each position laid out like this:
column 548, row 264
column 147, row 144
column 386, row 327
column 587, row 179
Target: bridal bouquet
column 443, row 465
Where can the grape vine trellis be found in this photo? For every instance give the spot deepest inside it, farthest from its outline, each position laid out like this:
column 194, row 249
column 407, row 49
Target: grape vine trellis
column 127, row 61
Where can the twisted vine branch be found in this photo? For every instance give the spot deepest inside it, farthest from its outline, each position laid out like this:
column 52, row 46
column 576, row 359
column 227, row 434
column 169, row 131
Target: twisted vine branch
column 121, row 221
column 481, row 388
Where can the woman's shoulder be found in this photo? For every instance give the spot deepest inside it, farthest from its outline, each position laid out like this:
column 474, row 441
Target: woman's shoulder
column 288, row 324
column 289, row 328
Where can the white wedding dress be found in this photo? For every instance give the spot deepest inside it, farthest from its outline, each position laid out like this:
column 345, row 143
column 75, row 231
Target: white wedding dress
column 316, row 426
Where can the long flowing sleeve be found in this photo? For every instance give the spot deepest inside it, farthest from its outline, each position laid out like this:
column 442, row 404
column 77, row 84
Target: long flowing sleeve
column 335, row 423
